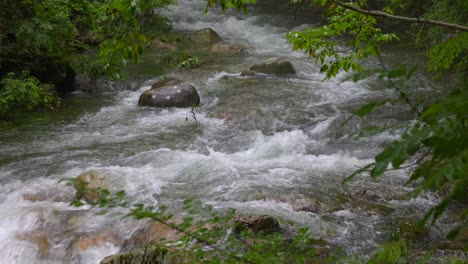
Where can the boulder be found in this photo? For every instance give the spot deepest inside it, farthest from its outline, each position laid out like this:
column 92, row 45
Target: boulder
column 88, row 186
column 206, row 36
column 276, row 66
column 256, row 223
column 170, row 93
column 226, row 48
column 148, row 255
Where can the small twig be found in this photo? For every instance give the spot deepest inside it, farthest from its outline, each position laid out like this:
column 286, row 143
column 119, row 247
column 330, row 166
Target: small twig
column 402, row 94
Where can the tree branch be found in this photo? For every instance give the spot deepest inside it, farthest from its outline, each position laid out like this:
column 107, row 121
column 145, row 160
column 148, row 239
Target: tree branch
column 402, row 18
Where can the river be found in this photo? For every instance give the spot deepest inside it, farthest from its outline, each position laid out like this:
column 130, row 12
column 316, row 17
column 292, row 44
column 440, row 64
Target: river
column 264, row 145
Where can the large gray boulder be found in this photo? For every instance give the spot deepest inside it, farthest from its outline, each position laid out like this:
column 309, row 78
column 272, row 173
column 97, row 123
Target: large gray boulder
column 206, row 36
column 170, row 92
column 278, row 66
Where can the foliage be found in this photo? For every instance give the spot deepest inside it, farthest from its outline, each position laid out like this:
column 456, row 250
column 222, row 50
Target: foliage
column 32, row 32
column 392, row 252
column 180, row 59
column 321, row 44
column 189, row 63
column 25, row 92
column 64, row 28
column 446, row 48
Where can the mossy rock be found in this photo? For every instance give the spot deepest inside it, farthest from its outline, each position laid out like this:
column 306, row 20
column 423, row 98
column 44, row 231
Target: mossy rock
column 147, row 255
column 89, row 186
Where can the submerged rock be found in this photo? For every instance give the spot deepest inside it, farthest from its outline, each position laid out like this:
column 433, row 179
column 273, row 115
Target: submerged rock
column 170, row 92
column 206, row 36
column 85, row 83
column 89, row 185
column 257, row 223
column 278, row 66
column 96, row 240
column 226, row 48
column 39, row 238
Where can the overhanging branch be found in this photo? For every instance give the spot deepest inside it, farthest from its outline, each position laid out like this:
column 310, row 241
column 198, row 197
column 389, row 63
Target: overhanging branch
column 402, row 18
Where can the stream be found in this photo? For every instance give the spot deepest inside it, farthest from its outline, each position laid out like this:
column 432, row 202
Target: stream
column 261, row 145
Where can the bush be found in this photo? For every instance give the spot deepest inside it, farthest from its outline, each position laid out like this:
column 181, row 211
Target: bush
column 25, row 93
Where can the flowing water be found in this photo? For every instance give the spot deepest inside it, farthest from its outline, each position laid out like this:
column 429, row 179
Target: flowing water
column 268, row 145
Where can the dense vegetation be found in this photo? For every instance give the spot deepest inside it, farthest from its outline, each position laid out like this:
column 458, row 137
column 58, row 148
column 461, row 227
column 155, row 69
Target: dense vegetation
column 47, row 40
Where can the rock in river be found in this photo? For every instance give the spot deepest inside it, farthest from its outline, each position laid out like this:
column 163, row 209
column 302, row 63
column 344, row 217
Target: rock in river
column 276, row 66
column 170, row 92
column 206, row 36
column 88, row 185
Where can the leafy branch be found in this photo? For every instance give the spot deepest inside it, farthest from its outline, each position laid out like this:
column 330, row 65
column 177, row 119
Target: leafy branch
column 376, row 13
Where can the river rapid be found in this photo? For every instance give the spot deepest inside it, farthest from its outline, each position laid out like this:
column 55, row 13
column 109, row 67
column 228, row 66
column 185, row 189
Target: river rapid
column 264, row 145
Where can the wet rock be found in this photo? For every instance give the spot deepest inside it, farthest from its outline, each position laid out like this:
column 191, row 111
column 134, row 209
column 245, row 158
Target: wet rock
column 248, row 73
column 147, row 255
column 303, row 205
column 170, row 93
column 39, row 238
column 86, row 84
column 95, row 240
column 159, row 44
column 152, row 233
column 256, row 223
column 206, row 36
column 226, row 48
column 48, row 196
column 276, row 66
column 89, row 185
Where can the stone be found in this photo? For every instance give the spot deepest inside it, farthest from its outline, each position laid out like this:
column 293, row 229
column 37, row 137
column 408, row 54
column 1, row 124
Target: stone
column 256, row 223
column 206, row 36
column 277, row 66
column 153, row 233
column 170, row 93
column 147, row 255
column 157, row 43
column 226, row 48
column 88, row 185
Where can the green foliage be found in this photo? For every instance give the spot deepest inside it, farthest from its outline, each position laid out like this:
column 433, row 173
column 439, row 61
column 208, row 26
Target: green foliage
column 239, row 5
column 209, row 236
column 25, row 93
column 181, row 60
column 364, row 40
column 446, row 48
column 394, row 252
column 189, row 63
